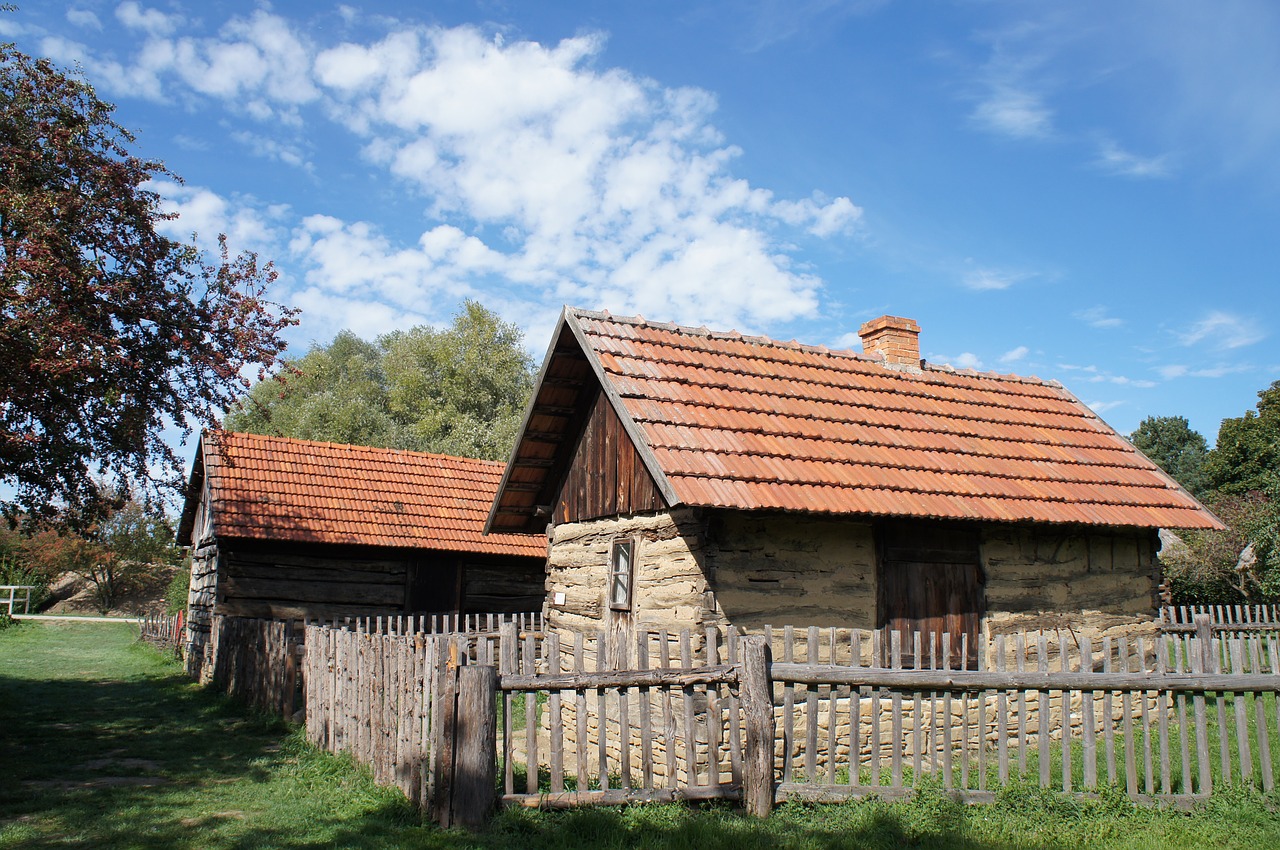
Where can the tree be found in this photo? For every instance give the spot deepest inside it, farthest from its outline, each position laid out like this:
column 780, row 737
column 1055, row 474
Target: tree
column 458, row 391
column 1171, row 444
column 109, row 331
column 1248, row 448
column 115, row 544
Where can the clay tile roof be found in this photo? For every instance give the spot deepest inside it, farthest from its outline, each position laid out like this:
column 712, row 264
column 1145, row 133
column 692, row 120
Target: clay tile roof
column 751, row 423
column 275, row 488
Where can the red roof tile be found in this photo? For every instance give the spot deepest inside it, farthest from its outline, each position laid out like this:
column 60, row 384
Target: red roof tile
column 275, row 488
column 750, row 423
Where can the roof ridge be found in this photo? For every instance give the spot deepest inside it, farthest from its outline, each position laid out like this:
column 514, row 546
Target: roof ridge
column 794, row 345
column 219, row 434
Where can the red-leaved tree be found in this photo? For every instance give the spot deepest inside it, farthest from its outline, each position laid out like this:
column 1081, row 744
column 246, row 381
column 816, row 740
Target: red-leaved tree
column 110, row 332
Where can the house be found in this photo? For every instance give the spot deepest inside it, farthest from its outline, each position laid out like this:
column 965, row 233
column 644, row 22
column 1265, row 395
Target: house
column 689, row 478
column 284, row 528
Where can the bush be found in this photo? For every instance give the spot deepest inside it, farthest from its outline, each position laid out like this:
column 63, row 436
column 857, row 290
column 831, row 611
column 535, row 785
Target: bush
column 176, row 596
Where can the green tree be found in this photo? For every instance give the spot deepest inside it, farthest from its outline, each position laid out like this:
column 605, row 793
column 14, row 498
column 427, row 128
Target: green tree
column 1171, row 444
column 116, row 545
column 110, row 333
column 1248, row 447
column 459, row 391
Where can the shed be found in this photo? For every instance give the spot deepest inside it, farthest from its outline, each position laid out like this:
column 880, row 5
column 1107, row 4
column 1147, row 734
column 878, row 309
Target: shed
column 285, row 528
column 691, row 478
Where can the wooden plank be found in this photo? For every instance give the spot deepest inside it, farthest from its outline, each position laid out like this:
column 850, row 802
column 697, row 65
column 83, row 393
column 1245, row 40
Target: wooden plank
column 1126, row 706
column 1089, row 742
column 1236, row 649
column 917, row 720
column 508, row 662
column 624, row 720
column 646, row 713
column 788, row 704
column 668, row 715
column 476, row 756
column 833, row 703
column 895, row 751
column 602, row 715
column 757, row 708
column 811, row 711
column 1162, row 714
column 1108, row 725
column 1064, row 663
column 733, row 641
column 690, row 731
column 1002, row 717
column 580, row 712
column 1042, row 661
column 1148, row 772
column 947, row 722
column 551, row 649
column 1202, row 732
column 715, row 729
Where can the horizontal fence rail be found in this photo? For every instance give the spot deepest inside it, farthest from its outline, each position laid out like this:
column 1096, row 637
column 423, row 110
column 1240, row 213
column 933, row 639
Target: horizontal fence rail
column 13, row 594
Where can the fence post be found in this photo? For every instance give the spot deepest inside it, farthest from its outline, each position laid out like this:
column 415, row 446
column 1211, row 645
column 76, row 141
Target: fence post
column 475, row 770
column 1204, row 637
column 756, row 688
column 445, row 733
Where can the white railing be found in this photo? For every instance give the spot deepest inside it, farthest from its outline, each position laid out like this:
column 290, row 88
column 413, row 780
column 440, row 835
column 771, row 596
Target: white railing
column 12, row 594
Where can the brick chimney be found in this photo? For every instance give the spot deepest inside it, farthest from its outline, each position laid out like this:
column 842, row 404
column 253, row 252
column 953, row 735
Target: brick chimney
column 898, row 339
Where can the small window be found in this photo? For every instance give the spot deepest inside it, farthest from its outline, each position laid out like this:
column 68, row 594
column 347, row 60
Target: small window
column 621, row 563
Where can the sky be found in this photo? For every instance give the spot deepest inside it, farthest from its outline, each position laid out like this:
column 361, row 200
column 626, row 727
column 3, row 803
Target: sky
column 1085, row 192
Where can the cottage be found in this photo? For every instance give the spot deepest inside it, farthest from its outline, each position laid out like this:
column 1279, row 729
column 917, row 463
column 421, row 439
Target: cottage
column 285, row 528
column 688, row 478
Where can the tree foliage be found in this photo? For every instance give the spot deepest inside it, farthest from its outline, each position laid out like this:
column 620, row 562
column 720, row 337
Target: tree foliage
column 459, row 391
column 115, row 544
column 1175, row 448
column 1242, row 486
column 1248, row 447
column 109, row 331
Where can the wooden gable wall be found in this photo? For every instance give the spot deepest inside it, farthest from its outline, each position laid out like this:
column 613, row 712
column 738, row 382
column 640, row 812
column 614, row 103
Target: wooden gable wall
column 606, row 476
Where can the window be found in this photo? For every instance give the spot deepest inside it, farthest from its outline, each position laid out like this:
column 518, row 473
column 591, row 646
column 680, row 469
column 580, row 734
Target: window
column 621, row 563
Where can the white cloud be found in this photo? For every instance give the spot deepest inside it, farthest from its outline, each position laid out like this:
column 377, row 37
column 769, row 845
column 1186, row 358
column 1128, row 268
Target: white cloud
column 1220, row 370
column 1115, row 160
column 150, row 21
column 1015, row 112
column 208, row 214
column 1223, row 331
column 580, row 184
column 1015, row 355
column 963, row 360
column 1098, row 317
column 84, row 18
column 1101, row 407
column 986, row 279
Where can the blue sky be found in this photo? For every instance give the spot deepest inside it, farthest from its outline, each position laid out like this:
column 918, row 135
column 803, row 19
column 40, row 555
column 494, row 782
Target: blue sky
column 1088, row 192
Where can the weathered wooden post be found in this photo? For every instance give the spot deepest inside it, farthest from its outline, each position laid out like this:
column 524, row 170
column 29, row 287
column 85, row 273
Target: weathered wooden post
column 444, row 735
column 1204, row 637
column 756, row 689
column 475, row 770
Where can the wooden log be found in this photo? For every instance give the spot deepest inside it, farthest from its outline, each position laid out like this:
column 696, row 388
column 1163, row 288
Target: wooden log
column 959, row 680
column 756, row 694
column 475, row 759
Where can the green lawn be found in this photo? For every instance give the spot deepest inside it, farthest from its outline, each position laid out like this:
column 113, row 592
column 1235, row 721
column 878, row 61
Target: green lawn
column 104, row 744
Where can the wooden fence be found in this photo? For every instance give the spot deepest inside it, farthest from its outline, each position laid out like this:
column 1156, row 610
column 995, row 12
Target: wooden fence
column 257, row 661
column 1231, row 619
column 13, row 594
column 561, row 719
column 164, row 629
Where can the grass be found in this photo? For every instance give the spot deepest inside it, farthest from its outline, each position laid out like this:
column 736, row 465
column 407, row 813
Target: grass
column 106, row 745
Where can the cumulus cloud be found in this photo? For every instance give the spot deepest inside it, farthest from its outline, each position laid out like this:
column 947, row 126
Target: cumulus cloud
column 84, row 18
column 963, row 360
column 207, row 214
column 152, row 21
column 1222, row 330
column 537, row 167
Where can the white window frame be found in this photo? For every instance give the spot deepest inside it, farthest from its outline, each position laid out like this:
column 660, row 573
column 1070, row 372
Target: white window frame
column 622, row 570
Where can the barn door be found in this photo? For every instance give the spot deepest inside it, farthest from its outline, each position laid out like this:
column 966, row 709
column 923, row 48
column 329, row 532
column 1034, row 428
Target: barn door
column 931, row 583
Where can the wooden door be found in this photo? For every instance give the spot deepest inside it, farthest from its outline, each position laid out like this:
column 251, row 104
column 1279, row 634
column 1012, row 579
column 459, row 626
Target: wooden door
column 931, row 583
column 434, row 586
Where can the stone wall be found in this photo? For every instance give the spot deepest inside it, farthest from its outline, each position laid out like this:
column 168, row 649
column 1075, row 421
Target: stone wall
column 714, row 568
column 1098, row 582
